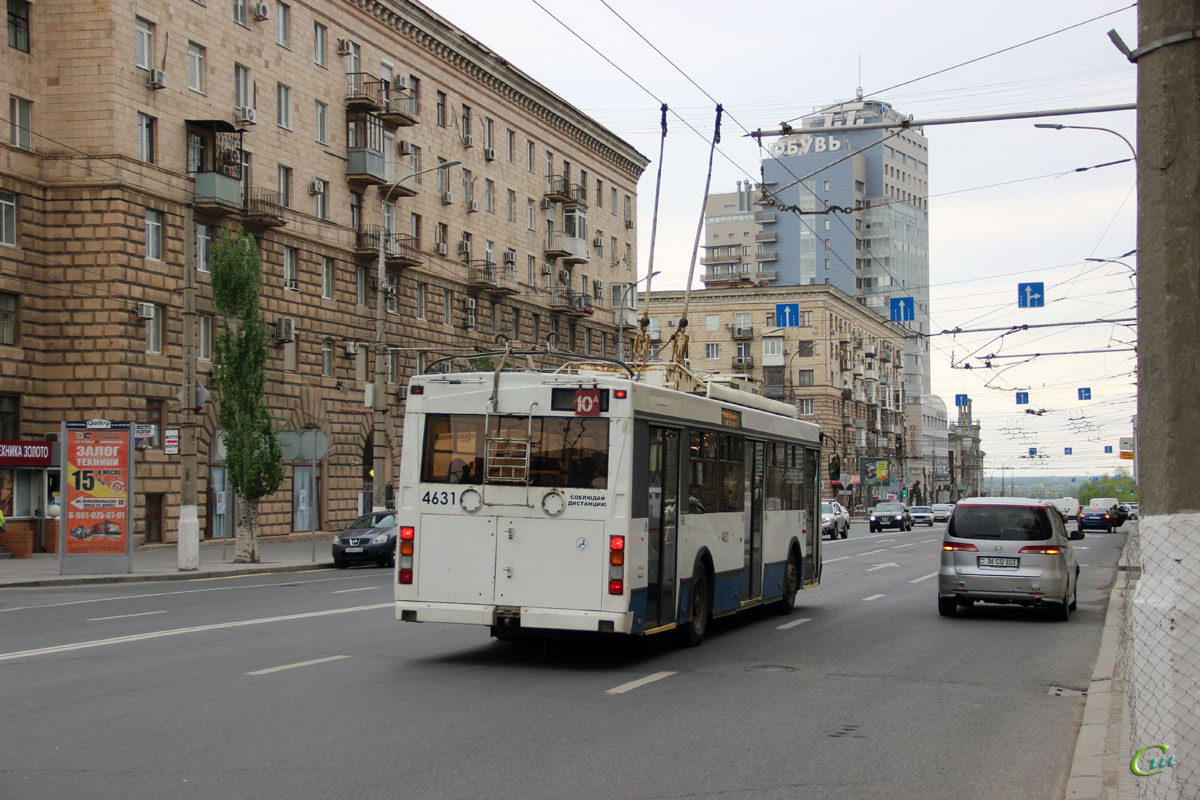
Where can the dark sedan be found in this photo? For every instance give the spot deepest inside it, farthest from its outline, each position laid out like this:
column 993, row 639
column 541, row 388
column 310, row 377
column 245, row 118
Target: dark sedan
column 890, row 515
column 1096, row 517
column 371, row 537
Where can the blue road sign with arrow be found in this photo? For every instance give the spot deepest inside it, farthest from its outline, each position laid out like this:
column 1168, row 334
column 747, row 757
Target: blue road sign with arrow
column 904, row 309
column 787, row 315
column 1085, row 393
column 1031, row 295
column 1033, row 451
column 960, row 400
column 1108, row 448
column 1066, row 451
column 1022, row 398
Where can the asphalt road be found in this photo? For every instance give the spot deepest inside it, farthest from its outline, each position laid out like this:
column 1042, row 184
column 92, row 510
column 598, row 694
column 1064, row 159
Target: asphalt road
column 303, row 685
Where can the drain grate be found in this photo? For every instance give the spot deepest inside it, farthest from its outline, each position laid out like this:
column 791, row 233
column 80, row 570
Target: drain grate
column 768, row 668
column 847, row 732
column 1061, row 691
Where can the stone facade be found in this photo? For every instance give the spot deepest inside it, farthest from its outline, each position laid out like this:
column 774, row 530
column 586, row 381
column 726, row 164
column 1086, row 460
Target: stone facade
column 836, row 361
column 113, row 187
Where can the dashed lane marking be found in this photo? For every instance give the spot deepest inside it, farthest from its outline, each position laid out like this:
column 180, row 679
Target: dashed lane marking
column 297, row 665
column 869, row 552
column 785, row 626
column 923, row 578
column 831, row 560
column 898, row 546
column 926, row 541
column 126, row 616
column 873, row 597
column 359, row 589
column 629, row 687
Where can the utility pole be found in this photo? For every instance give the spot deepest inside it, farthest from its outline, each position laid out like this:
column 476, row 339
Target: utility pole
column 1166, row 625
column 188, row 546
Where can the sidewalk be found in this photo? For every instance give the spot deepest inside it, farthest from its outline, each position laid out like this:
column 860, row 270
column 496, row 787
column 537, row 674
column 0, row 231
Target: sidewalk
column 160, row 563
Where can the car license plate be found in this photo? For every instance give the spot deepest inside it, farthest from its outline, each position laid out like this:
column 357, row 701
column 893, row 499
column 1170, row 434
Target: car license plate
column 999, row 561
column 353, row 550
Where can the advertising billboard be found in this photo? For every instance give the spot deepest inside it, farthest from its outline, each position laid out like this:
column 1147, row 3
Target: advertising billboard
column 96, row 528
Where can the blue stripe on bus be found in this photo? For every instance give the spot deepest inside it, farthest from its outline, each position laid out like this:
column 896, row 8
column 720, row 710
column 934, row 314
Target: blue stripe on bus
column 637, row 604
column 773, row 577
column 685, row 600
column 727, row 593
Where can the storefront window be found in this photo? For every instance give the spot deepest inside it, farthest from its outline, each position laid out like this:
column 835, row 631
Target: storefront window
column 19, row 490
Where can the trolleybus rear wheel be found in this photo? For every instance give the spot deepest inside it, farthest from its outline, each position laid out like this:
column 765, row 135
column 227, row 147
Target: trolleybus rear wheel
column 791, row 584
column 699, row 609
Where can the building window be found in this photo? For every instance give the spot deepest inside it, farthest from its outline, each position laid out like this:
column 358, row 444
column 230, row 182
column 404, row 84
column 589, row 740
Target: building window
column 512, row 144
column 489, row 190
column 242, row 95
column 145, row 134
column 203, row 247
column 420, row 301
column 8, row 319
column 154, row 329
column 327, row 277
column 20, row 122
column 532, row 271
column 283, row 110
column 18, row 24
column 322, row 205
column 154, row 416
column 285, row 186
column 805, row 319
column 10, row 419
column 441, row 109
column 447, row 300
column 804, row 377
column 283, row 24
column 531, row 214
column 144, row 43
column 827, row 186
column 529, row 154
column 326, row 359
column 712, row 322
column 204, row 332
column 239, row 11
column 712, row 352
column 8, row 219
column 290, row 281
column 360, row 286
column 154, row 234
column 466, row 121
column 318, row 44
column 321, row 121
column 772, row 347
column 196, row 58
column 356, row 204
column 805, row 407
column 393, row 365
column 805, row 349
column 512, row 206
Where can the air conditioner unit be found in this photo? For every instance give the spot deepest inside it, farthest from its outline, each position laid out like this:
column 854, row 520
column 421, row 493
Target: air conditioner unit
column 472, row 206
column 489, row 154
column 343, row 47
column 316, row 187
column 468, row 141
column 261, row 12
column 469, row 320
column 144, row 310
column 157, row 79
column 351, row 348
column 401, row 83
column 671, row 323
column 547, row 269
column 728, row 325
column 469, row 303
column 292, row 284
column 464, row 247
column 598, row 241
column 441, row 249
column 510, row 258
column 402, row 392
column 285, row 330
column 598, row 289
column 564, row 276
column 629, row 224
column 404, row 148
column 246, row 115
column 545, row 204
column 447, row 198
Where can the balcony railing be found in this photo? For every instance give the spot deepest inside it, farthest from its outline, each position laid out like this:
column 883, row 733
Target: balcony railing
column 558, row 189
column 571, row 302
column 263, row 207
column 765, row 236
column 492, row 277
column 217, row 193
column 399, row 249
column 743, row 363
column 764, row 255
column 399, row 107
column 765, row 217
column 365, row 159
column 744, row 332
column 556, row 244
column 364, row 92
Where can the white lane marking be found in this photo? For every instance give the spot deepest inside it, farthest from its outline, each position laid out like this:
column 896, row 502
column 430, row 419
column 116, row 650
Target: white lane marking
column 926, row 541
column 793, row 623
column 628, row 687
column 873, row 597
column 881, row 541
column 831, row 560
column 359, row 589
column 884, row 565
column 898, row 546
column 126, row 616
column 298, row 664
column 869, row 552
column 138, row 637
column 923, row 578
column 181, row 591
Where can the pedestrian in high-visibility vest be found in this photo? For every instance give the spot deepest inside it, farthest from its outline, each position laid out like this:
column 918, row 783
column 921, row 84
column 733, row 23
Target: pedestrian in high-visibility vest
column 2, row 523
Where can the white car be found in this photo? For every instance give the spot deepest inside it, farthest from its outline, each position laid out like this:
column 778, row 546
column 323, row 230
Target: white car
column 942, row 511
column 835, row 519
column 921, row 515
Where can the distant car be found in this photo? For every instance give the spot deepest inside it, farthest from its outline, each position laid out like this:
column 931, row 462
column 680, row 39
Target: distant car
column 1134, row 510
column 371, row 537
column 1008, row 550
column 942, row 511
column 890, row 515
column 921, row 515
column 835, row 519
column 1097, row 517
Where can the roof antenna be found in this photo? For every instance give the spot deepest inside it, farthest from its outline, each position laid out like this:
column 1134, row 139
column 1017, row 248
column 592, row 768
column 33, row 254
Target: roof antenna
column 858, row 93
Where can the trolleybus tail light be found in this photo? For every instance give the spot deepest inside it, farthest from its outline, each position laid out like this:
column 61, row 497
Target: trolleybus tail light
column 417, row 390
column 408, row 535
column 952, row 546
column 620, row 394
column 616, row 561
column 1042, row 549
column 616, row 587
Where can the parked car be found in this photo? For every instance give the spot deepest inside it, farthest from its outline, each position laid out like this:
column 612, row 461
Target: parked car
column 1008, row 550
column 921, row 515
column 890, row 515
column 835, row 519
column 1134, row 510
column 371, row 537
column 1097, row 517
column 942, row 511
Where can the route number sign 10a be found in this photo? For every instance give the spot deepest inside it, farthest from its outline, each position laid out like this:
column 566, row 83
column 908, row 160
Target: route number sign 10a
column 587, row 402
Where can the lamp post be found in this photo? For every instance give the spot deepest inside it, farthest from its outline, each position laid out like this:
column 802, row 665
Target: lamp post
column 624, row 308
column 379, row 401
column 1055, row 126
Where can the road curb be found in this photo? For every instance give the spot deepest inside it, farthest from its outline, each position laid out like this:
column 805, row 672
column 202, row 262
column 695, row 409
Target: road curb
column 83, row 580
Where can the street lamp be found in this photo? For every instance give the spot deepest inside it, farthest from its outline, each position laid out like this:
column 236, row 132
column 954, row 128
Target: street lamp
column 379, row 402
column 621, row 319
column 1055, row 126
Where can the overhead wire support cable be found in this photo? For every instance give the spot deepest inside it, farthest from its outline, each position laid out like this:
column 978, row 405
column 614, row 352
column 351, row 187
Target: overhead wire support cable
column 1018, row 328
column 641, row 345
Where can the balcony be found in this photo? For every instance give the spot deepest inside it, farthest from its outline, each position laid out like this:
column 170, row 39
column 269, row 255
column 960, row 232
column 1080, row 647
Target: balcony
column 765, row 236
column 746, row 332
column 870, row 374
column 576, row 196
column 763, row 275
column 556, row 245
column 766, row 256
column 773, row 391
column 713, row 260
column 490, row 277
column 364, row 92
column 571, row 302
column 885, row 356
column 558, row 189
column 765, row 217
column 847, row 421
column 263, row 209
column 724, row 278
column 217, row 193
column 366, row 162
column 399, row 249
column 399, row 108
column 576, row 250
column 743, row 363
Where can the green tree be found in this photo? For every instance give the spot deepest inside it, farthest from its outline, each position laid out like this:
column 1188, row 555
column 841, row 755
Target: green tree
column 1120, row 486
column 253, row 457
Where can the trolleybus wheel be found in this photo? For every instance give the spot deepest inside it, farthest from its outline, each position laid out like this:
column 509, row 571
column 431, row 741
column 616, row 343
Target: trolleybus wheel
column 791, row 584
column 699, row 609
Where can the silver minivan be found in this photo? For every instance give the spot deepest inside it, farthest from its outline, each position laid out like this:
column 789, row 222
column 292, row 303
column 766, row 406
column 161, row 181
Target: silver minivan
column 1008, row 550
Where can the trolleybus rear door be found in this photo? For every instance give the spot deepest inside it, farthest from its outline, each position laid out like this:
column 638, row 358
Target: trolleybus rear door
column 755, row 482
column 457, row 558
column 551, row 563
column 663, row 516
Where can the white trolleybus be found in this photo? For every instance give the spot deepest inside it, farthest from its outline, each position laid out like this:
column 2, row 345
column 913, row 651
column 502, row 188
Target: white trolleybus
column 584, row 500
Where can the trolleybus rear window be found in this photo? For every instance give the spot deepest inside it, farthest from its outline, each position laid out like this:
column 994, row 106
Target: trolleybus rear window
column 563, row 451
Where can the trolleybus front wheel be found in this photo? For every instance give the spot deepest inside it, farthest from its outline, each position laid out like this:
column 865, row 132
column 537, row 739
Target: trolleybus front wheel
column 699, row 609
column 791, row 584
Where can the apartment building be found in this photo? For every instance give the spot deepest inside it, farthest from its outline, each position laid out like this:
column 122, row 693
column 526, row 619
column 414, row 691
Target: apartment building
column 818, row 349
column 138, row 133
column 738, row 250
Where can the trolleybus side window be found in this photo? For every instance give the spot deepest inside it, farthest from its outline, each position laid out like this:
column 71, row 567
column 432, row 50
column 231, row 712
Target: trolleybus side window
column 453, row 449
column 733, row 492
column 702, row 472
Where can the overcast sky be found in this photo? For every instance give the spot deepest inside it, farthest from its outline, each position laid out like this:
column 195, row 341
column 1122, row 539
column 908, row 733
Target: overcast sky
column 777, row 61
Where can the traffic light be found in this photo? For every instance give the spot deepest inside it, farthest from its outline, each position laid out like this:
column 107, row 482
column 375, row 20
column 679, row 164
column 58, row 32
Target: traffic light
column 904, row 494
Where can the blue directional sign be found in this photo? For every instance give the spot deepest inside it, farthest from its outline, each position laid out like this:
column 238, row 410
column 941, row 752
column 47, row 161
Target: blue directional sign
column 1072, row 480
column 1031, row 295
column 787, row 315
column 1108, row 448
column 961, row 401
column 1095, row 478
column 1120, row 488
column 1022, row 398
column 1033, row 451
column 1066, row 451
column 1085, row 393
column 903, row 309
